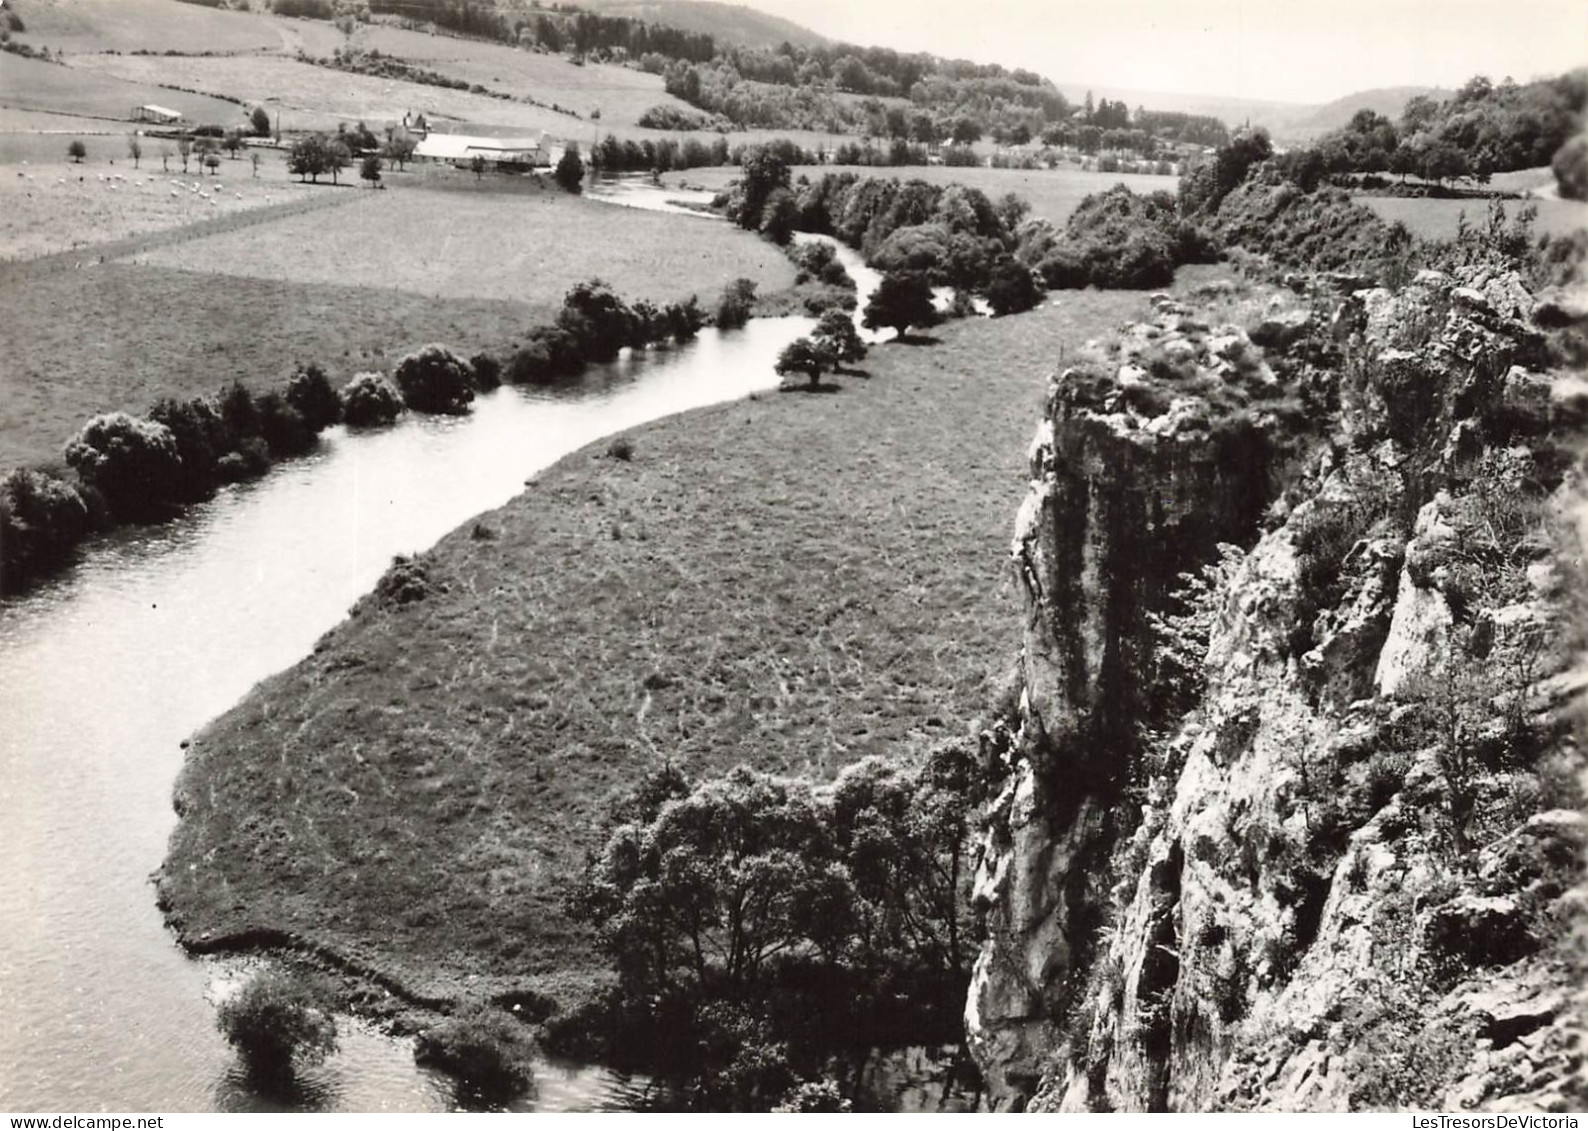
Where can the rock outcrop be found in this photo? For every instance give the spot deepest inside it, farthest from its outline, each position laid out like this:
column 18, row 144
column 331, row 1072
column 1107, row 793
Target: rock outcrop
column 1291, row 816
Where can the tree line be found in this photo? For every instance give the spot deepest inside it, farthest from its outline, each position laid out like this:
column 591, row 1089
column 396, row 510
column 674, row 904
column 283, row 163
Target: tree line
column 1483, row 129
column 124, row 468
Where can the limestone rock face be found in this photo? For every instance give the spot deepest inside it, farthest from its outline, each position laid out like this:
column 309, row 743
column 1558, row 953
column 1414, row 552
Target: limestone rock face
column 1333, row 863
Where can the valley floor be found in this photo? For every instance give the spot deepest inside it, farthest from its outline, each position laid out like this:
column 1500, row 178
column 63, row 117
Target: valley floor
column 794, row 582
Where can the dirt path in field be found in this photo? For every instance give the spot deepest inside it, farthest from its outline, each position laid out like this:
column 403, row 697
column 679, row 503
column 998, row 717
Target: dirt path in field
column 92, row 254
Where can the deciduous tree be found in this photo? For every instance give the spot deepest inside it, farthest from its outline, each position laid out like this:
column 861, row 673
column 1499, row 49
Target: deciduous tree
column 807, row 356
column 570, row 169
column 836, row 332
column 902, row 299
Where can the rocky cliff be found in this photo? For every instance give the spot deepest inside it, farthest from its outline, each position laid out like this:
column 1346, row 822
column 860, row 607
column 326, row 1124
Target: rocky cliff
column 1290, row 817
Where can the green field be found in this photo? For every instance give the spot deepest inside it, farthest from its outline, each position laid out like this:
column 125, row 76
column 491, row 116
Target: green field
column 34, row 85
column 795, row 582
column 1051, row 193
column 355, row 288
column 148, row 25
column 524, row 246
column 620, row 94
column 1436, row 219
column 53, row 204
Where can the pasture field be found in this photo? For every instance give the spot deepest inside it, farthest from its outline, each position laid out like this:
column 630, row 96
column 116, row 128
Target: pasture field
column 1436, row 219
column 316, row 98
column 523, row 246
column 30, row 134
column 353, row 288
column 310, row 97
column 1053, row 194
column 116, row 336
column 1532, row 182
column 77, row 26
column 53, row 204
column 34, row 85
column 796, row 582
column 621, row 94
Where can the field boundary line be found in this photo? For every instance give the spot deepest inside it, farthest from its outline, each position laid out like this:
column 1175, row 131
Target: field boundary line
column 56, row 261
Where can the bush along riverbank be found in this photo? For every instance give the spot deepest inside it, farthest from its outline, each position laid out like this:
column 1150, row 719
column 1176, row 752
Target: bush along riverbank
column 122, row 468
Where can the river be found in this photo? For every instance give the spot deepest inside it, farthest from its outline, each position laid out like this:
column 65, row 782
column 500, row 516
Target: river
column 108, row 667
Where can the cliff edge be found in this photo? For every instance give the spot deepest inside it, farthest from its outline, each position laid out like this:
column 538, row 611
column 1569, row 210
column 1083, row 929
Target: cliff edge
column 1291, row 814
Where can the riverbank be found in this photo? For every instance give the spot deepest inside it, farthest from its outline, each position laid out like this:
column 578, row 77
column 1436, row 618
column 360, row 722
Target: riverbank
column 796, row 581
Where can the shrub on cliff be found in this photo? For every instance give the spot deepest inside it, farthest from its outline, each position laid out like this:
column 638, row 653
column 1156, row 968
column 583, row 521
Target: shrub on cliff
column 41, row 519
column 1205, row 184
column 277, row 1022
column 133, row 463
column 369, row 399
column 490, row 1051
column 434, row 379
column 1319, row 231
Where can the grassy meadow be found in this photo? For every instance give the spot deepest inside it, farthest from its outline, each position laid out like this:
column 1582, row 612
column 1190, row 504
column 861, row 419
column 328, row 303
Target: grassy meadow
column 1436, row 219
column 77, row 26
column 351, row 288
column 49, row 203
column 526, row 246
column 796, row 582
column 40, row 87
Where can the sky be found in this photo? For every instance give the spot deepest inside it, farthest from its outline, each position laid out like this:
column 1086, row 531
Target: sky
column 1280, row 50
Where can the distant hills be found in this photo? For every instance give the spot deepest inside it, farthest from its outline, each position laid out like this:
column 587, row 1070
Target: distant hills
column 726, row 23
column 1388, row 101
column 1287, row 122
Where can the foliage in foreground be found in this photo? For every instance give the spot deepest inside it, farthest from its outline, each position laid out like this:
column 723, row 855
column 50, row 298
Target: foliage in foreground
column 759, row 926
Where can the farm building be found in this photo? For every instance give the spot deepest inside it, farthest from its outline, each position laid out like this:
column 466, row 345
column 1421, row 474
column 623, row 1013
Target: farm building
column 161, row 115
column 460, row 149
